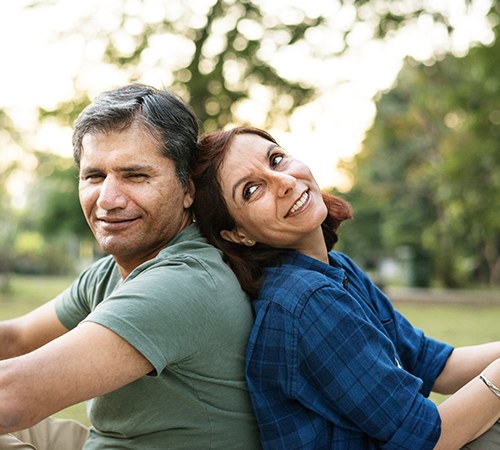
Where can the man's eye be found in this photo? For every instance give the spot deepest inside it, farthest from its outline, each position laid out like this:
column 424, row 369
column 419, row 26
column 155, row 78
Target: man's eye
column 93, row 177
column 137, row 176
column 248, row 191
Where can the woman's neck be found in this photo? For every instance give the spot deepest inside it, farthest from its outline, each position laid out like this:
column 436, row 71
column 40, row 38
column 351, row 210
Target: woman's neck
column 314, row 246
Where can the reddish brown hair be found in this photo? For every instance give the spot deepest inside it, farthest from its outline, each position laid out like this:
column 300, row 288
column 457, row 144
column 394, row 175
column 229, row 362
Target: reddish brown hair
column 212, row 215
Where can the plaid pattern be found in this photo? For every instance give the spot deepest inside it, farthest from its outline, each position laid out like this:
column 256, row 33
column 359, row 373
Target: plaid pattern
column 332, row 365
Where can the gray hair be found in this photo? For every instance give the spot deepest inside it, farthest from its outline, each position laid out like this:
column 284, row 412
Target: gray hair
column 163, row 114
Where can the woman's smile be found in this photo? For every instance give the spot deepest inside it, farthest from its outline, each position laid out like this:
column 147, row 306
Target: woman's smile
column 299, row 204
column 265, row 188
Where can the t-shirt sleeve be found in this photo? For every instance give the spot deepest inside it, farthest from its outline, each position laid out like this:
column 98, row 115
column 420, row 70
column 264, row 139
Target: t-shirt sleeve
column 157, row 311
column 72, row 306
column 346, row 370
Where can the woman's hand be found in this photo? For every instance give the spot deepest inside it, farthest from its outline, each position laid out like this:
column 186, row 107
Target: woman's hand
column 471, row 411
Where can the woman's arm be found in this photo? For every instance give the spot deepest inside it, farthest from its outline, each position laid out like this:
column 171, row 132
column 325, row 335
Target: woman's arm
column 471, row 411
column 464, row 364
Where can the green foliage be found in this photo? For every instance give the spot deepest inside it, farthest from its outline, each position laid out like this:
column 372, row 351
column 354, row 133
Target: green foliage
column 223, row 53
column 66, row 111
column 8, row 216
column 54, row 216
column 228, row 48
column 216, row 80
column 429, row 174
column 57, row 193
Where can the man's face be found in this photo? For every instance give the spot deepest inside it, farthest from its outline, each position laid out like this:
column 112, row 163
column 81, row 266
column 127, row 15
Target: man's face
column 130, row 195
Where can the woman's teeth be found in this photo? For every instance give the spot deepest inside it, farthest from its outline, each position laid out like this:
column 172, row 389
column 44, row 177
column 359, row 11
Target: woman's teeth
column 300, row 202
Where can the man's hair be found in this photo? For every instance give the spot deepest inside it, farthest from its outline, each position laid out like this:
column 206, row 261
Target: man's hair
column 164, row 115
column 212, row 214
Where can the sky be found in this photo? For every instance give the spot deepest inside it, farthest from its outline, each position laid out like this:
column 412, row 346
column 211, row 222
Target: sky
column 38, row 70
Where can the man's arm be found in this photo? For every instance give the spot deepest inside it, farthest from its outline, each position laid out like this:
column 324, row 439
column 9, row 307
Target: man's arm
column 85, row 362
column 26, row 333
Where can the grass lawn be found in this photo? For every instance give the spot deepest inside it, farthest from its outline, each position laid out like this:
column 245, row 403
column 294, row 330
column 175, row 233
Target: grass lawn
column 25, row 294
column 456, row 324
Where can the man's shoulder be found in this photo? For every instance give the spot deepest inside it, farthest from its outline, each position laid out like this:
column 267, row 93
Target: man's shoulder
column 101, row 269
column 191, row 251
column 189, row 264
column 189, row 243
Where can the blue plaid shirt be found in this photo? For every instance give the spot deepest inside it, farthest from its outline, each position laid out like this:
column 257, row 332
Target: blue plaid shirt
column 332, row 365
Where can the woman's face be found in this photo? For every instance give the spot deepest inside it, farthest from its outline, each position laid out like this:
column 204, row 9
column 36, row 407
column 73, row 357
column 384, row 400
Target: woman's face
column 273, row 198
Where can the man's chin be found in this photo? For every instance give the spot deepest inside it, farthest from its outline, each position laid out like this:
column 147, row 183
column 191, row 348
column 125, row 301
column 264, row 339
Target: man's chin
column 112, row 247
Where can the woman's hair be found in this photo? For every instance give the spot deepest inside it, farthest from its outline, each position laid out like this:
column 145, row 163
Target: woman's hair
column 212, row 215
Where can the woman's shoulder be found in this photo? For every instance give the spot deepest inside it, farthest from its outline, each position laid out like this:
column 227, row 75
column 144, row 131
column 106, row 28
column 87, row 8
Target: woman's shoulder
column 290, row 286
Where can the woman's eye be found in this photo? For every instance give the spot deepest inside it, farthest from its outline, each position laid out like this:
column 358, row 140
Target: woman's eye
column 276, row 159
column 248, row 191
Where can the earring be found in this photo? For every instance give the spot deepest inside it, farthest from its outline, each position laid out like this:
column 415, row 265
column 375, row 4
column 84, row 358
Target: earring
column 250, row 242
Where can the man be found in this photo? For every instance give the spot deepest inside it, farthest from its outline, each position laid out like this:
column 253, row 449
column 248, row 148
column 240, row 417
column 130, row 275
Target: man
column 154, row 333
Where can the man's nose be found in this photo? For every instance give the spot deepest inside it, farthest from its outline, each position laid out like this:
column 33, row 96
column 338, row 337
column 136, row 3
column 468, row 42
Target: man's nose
column 111, row 195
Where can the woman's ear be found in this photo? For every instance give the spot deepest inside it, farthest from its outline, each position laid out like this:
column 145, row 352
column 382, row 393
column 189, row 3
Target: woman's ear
column 233, row 236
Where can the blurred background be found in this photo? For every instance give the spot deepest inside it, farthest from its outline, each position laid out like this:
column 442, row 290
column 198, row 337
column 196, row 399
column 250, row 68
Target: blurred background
column 395, row 105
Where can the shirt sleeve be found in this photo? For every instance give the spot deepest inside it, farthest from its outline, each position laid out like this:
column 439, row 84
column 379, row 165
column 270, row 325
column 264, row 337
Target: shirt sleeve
column 420, row 355
column 346, row 370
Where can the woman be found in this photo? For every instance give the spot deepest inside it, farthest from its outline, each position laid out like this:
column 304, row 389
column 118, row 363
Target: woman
column 330, row 363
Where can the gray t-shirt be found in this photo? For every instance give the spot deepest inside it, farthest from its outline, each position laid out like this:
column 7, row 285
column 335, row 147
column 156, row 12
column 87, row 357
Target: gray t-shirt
column 186, row 313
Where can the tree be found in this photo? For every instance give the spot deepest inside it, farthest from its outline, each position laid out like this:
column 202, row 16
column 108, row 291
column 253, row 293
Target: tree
column 8, row 216
column 218, row 54
column 54, row 211
column 430, row 166
column 55, row 200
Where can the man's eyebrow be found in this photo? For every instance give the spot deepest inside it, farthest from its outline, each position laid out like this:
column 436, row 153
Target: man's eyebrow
column 125, row 169
column 87, row 170
column 270, row 148
column 142, row 168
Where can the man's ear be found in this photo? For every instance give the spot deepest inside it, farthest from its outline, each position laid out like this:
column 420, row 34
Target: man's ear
column 189, row 192
column 234, row 236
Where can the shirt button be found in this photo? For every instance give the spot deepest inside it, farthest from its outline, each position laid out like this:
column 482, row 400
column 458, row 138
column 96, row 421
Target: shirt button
column 345, row 282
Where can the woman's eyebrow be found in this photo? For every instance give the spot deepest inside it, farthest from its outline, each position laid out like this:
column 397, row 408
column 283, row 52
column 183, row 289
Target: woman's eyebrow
column 270, row 148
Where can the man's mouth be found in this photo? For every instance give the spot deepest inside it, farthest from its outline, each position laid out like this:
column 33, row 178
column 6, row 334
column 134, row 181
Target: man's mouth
column 299, row 203
column 115, row 219
column 115, row 223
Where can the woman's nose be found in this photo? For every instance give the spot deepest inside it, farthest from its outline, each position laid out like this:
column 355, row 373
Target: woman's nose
column 111, row 194
column 285, row 183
